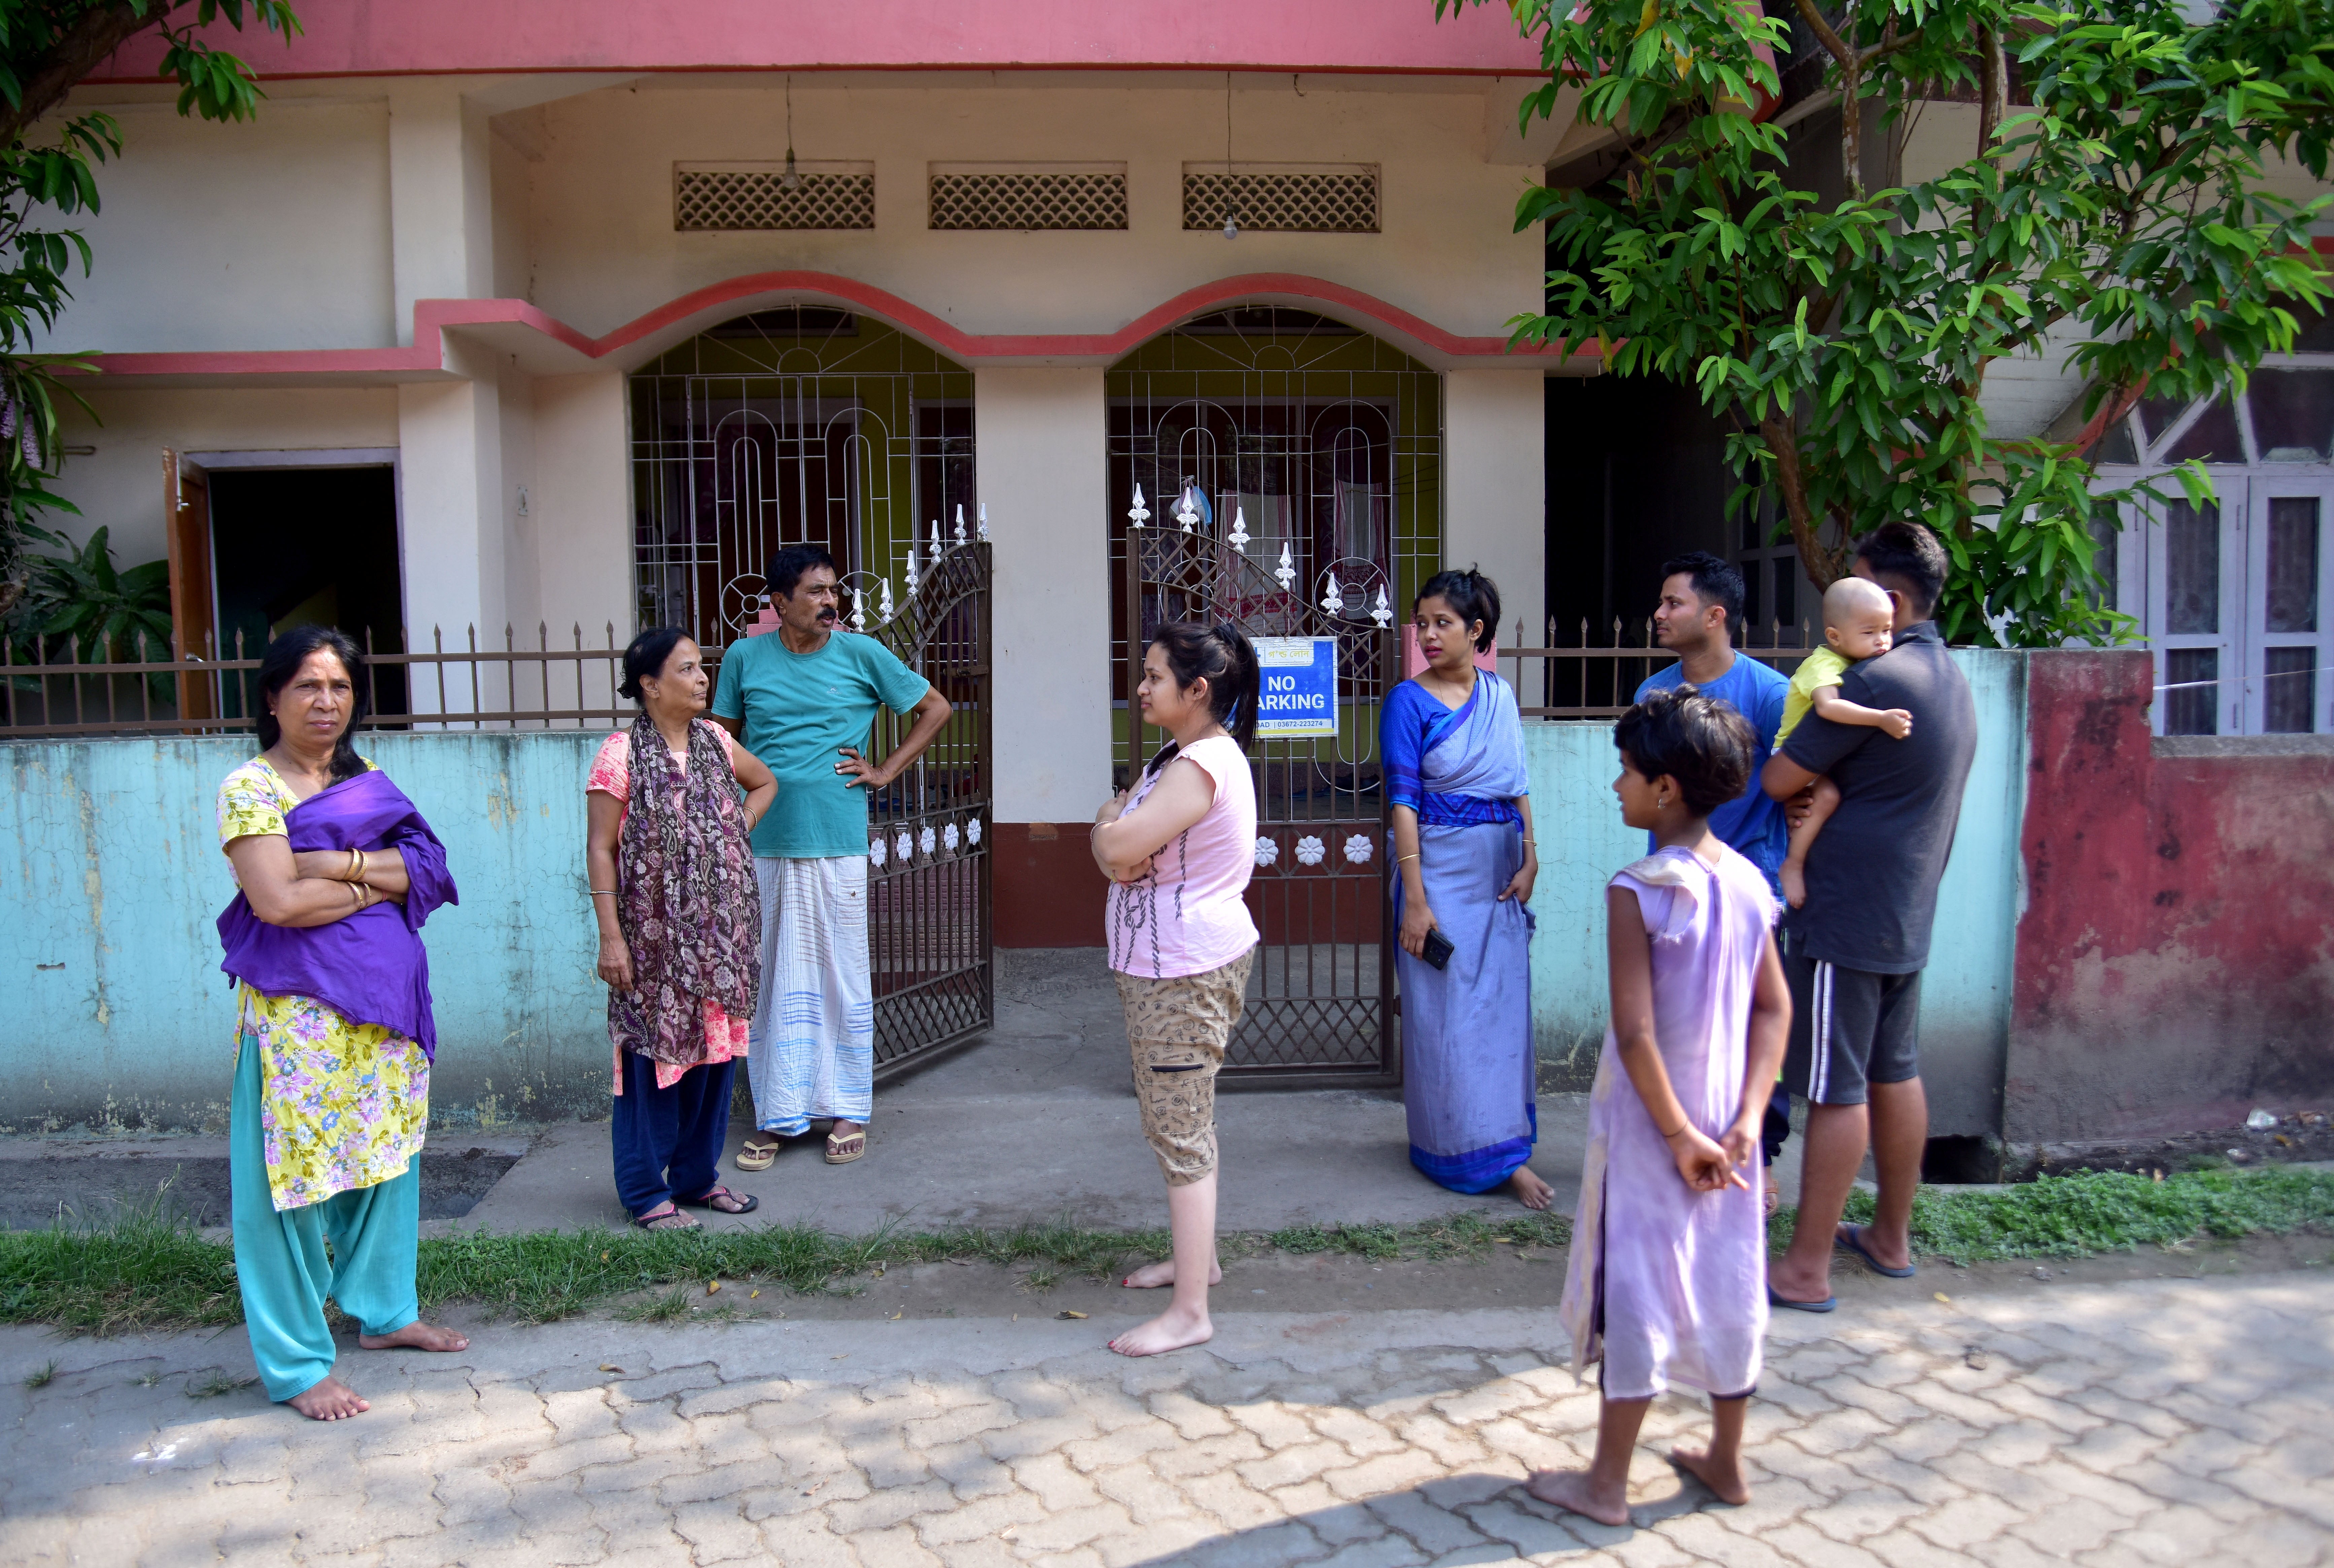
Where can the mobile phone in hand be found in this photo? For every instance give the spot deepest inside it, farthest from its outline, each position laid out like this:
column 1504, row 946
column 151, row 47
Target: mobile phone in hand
column 1437, row 949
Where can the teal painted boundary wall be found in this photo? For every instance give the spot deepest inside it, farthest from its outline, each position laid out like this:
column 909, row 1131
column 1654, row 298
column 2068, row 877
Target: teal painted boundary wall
column 1966, row 990
column 111, row 880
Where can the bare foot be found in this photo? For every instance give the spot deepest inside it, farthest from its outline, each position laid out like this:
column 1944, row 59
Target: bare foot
column 1534, row 1193
column 1771, row 1197
column 1725, row 1480
column 329, row 1401
column 1573, row 1490
column 1170, row 1330
column 415, row 1336
column 1151, row 1275
column 1794, row 878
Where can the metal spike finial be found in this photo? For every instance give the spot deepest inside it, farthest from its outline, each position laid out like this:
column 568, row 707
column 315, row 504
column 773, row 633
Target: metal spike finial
column 883, row 611
column 1138, row 513
column 936, row 539
column 1186, row 512
column 960, row 523
column 1381, row 612
column 1238, row 537
column 859, row 612
column 911, row 568
column 1286, row 570
column 982, row 531
column 1333, row 598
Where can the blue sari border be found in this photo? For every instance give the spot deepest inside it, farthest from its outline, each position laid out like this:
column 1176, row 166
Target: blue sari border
column 1479, row 1170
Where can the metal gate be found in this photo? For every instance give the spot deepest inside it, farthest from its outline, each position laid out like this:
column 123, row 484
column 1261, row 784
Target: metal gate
column 929, row 930
column 812, row 425
column 1281, row 471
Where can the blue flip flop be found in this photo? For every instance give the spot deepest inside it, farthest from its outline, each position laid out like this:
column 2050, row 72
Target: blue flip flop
column 1851, row 1236
column 1828, row 1303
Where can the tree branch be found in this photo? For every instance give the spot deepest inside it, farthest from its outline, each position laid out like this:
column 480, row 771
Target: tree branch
column 1994, row 90
column 1791, row 483
column 77, row 52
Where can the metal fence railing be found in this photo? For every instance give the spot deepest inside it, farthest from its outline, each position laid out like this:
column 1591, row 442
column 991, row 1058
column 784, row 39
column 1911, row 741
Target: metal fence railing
column 60, row 687
column 1589, row 680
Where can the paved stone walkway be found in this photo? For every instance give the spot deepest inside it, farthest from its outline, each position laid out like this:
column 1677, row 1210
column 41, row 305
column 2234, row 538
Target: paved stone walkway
column 2175, row 1422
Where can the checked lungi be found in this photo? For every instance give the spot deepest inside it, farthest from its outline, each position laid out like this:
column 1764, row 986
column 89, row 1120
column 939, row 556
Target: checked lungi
column 812, row 1052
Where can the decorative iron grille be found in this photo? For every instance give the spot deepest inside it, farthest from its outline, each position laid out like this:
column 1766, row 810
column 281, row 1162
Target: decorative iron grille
column 788, row 427
column 1290, row 474
column 754, row 195
column 1340, row 199
column 1028, row 198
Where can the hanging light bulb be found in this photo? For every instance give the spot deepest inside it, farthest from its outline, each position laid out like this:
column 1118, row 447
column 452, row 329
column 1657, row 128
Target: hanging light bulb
column 791, row 180
column 1232, row 223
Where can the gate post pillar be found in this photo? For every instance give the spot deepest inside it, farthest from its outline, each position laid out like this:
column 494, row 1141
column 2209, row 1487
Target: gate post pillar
column 1044, row 473
column 1495, row 488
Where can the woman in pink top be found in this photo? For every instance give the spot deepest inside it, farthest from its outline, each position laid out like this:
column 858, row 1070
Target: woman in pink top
column 1178, row 848
column 681, row 928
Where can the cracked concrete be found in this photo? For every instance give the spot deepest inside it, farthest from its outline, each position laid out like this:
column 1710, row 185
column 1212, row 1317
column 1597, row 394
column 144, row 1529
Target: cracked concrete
column 2181, row 1422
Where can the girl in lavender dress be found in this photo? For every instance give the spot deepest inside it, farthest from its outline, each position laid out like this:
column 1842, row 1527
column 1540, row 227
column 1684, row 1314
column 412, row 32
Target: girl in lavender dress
column 1668, row 1261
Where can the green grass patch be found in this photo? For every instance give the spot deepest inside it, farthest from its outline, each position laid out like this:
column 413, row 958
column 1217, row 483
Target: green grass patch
column 147, row 1270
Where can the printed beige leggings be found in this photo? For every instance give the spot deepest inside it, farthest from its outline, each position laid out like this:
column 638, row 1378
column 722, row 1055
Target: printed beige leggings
column 1176, row 1030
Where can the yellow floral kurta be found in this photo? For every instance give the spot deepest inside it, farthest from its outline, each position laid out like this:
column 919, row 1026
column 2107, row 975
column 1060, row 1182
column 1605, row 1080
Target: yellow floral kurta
column 343, row 1105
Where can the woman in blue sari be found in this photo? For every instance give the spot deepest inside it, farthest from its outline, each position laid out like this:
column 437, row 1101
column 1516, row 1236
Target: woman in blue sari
column 1464, row 864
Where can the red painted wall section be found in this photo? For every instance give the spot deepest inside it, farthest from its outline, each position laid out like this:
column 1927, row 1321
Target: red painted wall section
column 403, row 37
column 2175, row 957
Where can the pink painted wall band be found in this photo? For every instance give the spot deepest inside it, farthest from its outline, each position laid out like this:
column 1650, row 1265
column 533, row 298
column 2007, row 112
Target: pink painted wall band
column 648, row 335
column 432, row 37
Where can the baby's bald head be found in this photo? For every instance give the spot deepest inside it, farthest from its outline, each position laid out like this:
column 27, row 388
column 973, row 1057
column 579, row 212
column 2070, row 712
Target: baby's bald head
column 1859, row 619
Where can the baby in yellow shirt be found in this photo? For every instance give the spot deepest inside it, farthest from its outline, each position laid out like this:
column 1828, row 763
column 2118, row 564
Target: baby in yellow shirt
column 1857, row 625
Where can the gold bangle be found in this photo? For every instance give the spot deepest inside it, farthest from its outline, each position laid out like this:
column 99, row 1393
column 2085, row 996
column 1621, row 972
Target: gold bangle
column 356, row 866
column 1399, row 859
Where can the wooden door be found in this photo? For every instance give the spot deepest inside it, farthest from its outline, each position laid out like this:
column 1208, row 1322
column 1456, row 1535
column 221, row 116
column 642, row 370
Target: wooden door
column 187, row 506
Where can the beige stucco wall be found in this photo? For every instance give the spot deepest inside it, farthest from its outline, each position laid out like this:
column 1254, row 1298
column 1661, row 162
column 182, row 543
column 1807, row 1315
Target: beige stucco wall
column 603, row 191
column 270, row 234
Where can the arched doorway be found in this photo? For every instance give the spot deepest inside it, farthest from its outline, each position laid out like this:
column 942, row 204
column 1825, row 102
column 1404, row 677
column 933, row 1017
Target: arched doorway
column 801, row 424
column 1290, row 467
column 815, row 425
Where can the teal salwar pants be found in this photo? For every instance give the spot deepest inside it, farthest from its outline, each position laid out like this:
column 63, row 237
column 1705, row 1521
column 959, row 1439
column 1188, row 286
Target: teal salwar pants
column 281, row 1260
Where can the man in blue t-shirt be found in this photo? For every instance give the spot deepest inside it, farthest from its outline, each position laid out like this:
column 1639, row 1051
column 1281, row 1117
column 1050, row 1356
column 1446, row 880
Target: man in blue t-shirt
column 1702, row 603
column 803, row 699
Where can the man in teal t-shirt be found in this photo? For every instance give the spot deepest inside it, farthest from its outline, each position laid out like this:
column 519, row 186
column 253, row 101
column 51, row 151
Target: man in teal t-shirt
column 803, row 699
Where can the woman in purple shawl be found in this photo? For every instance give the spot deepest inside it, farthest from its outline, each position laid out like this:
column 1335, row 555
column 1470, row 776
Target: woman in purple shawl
column 1464, row 865
column 334, row 1036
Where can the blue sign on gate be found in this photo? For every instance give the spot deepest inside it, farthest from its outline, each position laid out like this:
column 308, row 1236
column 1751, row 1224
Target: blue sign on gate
column 1300, row 676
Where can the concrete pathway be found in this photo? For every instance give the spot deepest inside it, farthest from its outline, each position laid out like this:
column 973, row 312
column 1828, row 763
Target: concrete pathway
column 1036, row 1123
column 2181, row 1422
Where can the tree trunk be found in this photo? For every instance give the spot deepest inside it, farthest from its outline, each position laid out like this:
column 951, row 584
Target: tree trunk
column 1823, row 565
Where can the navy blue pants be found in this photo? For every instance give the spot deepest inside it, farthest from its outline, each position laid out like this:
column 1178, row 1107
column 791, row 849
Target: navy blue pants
column 668, row 1142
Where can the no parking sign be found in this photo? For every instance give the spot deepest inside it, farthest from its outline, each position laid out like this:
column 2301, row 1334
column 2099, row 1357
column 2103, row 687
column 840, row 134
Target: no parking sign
column 1300, row 676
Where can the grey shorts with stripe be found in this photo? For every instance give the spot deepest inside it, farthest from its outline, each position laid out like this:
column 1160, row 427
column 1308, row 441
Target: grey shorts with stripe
column 1850, row 1029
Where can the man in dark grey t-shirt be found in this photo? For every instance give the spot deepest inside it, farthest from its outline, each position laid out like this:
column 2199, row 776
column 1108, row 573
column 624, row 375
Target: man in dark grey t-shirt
column 1855, row 951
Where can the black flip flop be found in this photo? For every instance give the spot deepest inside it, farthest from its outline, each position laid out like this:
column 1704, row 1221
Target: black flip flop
column 706, row 1200
column 1828, row 1303
column 747, row 1203
column 1851, row 1236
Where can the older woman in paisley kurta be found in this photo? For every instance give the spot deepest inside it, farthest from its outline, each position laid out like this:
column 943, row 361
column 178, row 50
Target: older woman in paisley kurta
column 337, row 870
